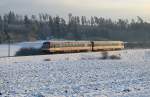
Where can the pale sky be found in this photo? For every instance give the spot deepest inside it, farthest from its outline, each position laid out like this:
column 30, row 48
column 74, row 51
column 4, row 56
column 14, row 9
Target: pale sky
column 105, row 8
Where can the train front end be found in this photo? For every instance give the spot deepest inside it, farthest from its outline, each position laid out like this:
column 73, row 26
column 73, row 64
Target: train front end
column 46, row 47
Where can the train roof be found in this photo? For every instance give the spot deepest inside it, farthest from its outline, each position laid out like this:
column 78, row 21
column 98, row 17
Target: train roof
column 110, row 41
column 66, row 41
column 86, row 41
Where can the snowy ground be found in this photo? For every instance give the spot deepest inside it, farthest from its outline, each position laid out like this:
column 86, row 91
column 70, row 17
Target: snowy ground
column 4, row 50
column 76, row 75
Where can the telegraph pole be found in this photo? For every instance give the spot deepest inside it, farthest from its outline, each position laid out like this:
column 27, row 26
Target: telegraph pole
column 8, row 37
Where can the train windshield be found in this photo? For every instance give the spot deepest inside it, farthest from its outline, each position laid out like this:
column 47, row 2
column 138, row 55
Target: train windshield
column 46, row 45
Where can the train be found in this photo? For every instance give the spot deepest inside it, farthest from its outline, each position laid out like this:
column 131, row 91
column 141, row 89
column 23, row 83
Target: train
column 81, row 46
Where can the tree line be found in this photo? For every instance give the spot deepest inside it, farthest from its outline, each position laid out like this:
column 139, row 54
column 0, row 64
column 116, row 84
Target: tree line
column 44, row 26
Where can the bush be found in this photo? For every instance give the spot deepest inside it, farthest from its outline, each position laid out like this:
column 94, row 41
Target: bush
column 104, row 55
column 47, row 59
column 28, row 52
column 115, row 57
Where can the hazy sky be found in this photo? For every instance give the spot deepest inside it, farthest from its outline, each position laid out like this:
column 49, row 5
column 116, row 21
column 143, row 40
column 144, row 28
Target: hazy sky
column 105, row 8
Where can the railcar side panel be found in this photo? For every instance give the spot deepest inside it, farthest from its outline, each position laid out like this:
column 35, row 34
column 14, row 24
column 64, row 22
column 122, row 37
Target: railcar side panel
column 77, row 46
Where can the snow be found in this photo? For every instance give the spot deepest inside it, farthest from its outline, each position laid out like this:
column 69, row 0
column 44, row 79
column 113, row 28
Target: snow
column 4, row 50
column 77, row 75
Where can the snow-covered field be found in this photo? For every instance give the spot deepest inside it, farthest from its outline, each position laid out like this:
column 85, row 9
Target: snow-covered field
column 4, row 50
column 77, row 75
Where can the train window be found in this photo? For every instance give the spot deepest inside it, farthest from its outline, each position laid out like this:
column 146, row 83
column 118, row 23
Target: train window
column 73, row 44
column 115, row 44
column 70, row 44
column 66, row 44
column 60, row 45
column 57, row 45
column 89, row 45
column 54, row 46
column 76, row 45
column 63, row 44
column 51, row 45
column 86, row 45
column 81, row 45
column 46, row 45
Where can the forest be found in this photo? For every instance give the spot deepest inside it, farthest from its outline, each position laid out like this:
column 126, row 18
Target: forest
column 18, row 28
